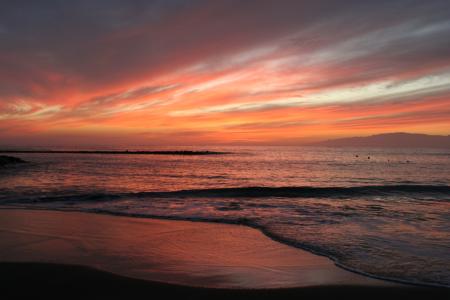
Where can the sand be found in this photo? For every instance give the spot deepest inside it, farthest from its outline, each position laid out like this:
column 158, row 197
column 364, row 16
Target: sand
column 178, row 252
column 69, row 255
column 50, row 281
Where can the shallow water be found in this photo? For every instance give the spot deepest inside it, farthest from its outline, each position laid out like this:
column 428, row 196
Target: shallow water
column 380, row 212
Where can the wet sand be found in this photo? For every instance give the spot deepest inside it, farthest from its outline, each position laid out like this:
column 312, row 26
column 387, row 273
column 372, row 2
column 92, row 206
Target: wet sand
column 150, row 253
column 180, row 252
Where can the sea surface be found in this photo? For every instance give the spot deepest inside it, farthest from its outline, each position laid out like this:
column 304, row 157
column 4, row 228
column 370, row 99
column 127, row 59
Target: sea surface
column 384, row 213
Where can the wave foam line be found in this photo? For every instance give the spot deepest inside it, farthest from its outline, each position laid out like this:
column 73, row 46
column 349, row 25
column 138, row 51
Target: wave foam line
column 442, row 191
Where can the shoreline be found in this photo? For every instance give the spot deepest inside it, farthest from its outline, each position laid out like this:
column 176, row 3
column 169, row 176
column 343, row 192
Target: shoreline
column 178, row 252
column 76, row 280
column 266, row 234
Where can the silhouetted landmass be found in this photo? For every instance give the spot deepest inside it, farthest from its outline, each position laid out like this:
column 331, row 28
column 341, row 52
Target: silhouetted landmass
column 183, row 152
column 391, row 140
column 9, row 160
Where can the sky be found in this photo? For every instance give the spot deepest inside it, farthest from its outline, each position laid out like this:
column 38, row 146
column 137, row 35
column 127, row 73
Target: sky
column 91, row 72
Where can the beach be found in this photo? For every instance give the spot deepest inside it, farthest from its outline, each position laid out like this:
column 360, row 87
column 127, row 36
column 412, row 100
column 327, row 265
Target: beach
column 53, row 250
column 367, row 215
column 225, row 149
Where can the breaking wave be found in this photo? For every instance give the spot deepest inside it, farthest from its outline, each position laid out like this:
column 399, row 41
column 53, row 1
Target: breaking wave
column 254, row 192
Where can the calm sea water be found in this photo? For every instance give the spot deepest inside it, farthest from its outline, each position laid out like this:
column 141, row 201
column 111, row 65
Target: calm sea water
column 387, row 216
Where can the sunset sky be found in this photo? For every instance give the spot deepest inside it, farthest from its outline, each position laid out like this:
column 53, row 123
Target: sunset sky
column 221, row 72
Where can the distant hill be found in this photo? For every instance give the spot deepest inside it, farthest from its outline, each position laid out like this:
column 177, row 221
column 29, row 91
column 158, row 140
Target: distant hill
column 391, row 140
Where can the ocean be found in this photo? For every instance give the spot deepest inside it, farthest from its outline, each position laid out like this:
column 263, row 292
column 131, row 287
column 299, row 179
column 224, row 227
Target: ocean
column 380, row 212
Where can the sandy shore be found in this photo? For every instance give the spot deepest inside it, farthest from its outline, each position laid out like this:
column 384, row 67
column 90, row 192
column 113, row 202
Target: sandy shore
column 180, row 252
column 50, row 281
column 149, row 250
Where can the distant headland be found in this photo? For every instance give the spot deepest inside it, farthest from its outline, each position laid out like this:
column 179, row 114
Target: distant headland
column 391, row 140
column 180, row 152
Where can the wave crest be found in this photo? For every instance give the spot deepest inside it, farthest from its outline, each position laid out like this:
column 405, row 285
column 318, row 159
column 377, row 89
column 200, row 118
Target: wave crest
column 303, row 192
column 441, row 191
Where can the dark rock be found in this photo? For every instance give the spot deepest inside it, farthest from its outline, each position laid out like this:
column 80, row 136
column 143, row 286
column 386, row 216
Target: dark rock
column 10, row 160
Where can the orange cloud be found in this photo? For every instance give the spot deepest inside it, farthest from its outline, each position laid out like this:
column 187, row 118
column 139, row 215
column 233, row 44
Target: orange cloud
column 213, row 73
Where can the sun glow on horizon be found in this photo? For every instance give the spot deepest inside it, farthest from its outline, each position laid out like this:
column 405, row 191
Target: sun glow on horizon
column 214, row 73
